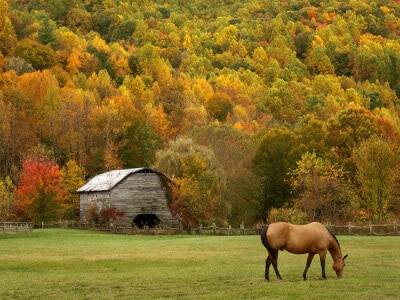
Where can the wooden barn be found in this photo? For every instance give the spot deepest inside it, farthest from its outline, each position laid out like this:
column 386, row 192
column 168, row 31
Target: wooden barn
column 142, row 193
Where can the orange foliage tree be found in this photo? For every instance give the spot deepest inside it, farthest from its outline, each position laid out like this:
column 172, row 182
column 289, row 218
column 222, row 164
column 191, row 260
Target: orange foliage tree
column 194, row 198
column 39, row 192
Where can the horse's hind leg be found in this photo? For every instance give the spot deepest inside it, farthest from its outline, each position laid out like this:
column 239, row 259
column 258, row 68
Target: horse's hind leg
column 275, row 265
column 267, row 264
column 309, row 260
column 272, row 259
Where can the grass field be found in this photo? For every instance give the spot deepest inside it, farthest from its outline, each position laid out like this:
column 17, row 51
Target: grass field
column 73, row 264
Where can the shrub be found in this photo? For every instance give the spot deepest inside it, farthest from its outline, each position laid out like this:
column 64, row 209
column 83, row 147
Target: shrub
column 111, row 214
column 91, row 214
column 284, row 214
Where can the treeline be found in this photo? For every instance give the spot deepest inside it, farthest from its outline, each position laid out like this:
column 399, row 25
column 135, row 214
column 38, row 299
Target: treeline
column 256, row 108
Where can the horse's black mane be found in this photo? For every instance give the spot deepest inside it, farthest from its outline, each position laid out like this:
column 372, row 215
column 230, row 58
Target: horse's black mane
column 334, row 237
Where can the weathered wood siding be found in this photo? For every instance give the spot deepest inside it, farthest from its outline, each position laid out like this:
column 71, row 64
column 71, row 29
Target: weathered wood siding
column 88, row 199
column 142, row 193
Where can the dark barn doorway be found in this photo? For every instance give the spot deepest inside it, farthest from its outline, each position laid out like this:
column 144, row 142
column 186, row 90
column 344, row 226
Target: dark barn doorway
column 146, row 220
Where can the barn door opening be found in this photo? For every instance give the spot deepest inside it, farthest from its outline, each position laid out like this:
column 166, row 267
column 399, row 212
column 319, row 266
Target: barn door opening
column 146, row 220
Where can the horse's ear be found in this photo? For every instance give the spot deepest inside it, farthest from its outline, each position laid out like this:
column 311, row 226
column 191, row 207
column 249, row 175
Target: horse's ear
column 345, row 256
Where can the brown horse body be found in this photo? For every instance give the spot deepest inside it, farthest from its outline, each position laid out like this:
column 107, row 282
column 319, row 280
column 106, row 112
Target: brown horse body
column 313, row 238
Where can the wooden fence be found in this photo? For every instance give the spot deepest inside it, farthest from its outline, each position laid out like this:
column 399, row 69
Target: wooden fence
column 345, row 229
column 369, row 229
column 15, row 227
column 213, row 229
column 125, row 228
column 167, row 230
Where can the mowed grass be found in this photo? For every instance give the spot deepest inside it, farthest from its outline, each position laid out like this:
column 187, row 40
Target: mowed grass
column 73, row 264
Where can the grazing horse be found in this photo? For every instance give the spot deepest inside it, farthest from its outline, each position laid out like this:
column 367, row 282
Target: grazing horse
column 313, row 238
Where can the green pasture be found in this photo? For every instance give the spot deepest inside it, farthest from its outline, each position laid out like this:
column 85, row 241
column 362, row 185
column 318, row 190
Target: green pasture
column 73, row 264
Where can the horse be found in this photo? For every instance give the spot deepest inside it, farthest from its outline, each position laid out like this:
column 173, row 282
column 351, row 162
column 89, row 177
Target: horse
column 313, row 238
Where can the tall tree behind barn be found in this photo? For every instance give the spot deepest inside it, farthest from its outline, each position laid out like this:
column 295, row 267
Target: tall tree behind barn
column 142, row 193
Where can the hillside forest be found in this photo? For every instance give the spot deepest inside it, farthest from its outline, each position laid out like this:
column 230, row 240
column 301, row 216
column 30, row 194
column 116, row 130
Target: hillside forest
column 259, row 110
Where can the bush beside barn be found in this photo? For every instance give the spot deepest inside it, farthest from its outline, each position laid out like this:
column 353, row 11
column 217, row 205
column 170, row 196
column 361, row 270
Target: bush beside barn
column 142, row 194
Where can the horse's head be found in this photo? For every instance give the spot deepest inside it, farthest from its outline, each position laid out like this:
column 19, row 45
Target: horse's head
column 338, row 266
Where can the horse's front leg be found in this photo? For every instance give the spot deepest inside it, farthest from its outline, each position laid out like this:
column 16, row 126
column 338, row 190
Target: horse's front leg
column 322, row 257
column 308, row 264
column 323, row 268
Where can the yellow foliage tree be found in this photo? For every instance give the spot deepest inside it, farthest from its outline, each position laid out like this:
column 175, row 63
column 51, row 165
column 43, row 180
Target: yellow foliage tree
column 72, row 178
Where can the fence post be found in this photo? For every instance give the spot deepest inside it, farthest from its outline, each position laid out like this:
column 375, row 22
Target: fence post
column 371, row 229
column 395, row 227
column 229, row 230
column 349, row 228
column 242, row 229
column 214, row 228
column 165, row 227
column 329, row 225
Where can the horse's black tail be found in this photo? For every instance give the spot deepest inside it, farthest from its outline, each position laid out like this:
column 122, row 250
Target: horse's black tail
column 264, row 240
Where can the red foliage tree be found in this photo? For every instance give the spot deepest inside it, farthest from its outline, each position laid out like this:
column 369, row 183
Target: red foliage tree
column 39, row 192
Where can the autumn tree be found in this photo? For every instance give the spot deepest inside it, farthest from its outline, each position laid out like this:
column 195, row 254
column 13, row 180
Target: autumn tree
column 376, row 175
column 19, row 65
column 40, row 56
column 75, row 131
column 354, row 125
column 279, row 100
column 320, row 188
column 219, row 105
column 17, row 119
column 72, row 178
column 318, row 61
column 197, row 178
column 45, row 32
column 79, row 19
column 138, row 144
column 234, row 150
column 7, row 198
column 275, row 156
column 102, row 83
column 8, row 39
column 312, row 137
column 39, row 191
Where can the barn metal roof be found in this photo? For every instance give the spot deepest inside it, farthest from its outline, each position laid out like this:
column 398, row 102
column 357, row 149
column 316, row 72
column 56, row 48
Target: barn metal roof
column 106, row 181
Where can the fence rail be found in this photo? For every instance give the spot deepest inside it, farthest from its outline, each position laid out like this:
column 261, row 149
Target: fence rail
column 369, row 229
column 125, row 228
column 344, row 229
column 15, row 227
